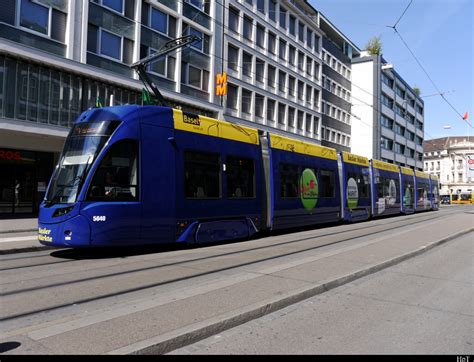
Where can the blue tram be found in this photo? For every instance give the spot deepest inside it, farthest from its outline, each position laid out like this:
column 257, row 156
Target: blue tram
column 134, row 175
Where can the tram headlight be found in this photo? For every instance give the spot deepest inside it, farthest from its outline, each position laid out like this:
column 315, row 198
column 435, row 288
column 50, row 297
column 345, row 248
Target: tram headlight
column 63, row 211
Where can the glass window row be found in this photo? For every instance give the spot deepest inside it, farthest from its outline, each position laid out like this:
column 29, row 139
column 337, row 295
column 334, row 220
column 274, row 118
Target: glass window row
column 40, row 94
column 247, row 65
column 286, row 22
column 335, row 136
column 336, row 65
column 335, row 88
column 335, row 112
column 267, row 110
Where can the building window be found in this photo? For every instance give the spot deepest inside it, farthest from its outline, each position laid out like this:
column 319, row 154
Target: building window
column 387, row 80
column 159, row 21
column 386, row 101
column 271, row 42
column 291, row 117
column 300, row 31
column 246, row 101
column 259, row 70
column 300, row 120
column 203, row 44
column 260, row 36
column 385, row 143
column 399, row 129
column 195, row 77
column 282, row 49
column 399, row 148
column 292, row 55
column 270, row 110
column 234, row 19
column 110, row 45
column 283, row 17
column 232, row 57
column 309, row 66
column 116, row 5
column 247, row 64
column 248, row 28
column 202, row 5
column 300, row 90
column 281, row 81
column 261, row 6
column 309, row 38
column 308, row 122
column 34, row 16
column 202, row 175
column 309, row 93
column 291, row 85
column 164, row 66
column 301, row 61
column 281, row 113
column 271, row 76
column 272, row 10
column 259, row 105
column 292, row 25
column 386, row 122
column 232, row 92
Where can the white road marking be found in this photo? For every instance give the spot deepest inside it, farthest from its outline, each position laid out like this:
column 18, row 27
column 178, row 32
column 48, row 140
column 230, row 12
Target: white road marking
column 18, row 238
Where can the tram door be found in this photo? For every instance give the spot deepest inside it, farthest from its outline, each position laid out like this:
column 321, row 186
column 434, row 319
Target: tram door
column 158, row 180
column 112, row 203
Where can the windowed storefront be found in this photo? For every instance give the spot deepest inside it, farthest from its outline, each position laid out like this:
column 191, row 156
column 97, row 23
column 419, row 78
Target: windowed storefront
column 23, row 181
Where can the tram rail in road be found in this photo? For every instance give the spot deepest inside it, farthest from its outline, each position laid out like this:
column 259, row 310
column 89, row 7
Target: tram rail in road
column 155, row 300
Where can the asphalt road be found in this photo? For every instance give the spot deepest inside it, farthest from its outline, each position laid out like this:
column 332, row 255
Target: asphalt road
column 155, row 300
column 421, row 306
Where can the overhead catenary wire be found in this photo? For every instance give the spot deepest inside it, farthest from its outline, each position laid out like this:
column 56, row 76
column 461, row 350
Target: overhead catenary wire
column 440, row 93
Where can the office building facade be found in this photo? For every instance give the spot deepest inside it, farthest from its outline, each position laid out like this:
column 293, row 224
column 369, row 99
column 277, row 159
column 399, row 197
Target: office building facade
column 388, row 116
column 337, row 54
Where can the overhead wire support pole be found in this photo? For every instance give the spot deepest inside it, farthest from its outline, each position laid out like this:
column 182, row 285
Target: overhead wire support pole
column 168, row 47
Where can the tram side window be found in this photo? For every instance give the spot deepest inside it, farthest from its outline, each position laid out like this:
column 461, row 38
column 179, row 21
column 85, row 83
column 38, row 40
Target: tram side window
column 326, row 183
column 201, row 175
column 240, row 177
column 387, row 188
column 289, row 180
column 422, row 189
column 362, row 183
column 116, row 179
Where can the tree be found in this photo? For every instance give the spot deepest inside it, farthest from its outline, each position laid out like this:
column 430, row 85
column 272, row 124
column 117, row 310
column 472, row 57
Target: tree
column 417, row 91
column 374, row 46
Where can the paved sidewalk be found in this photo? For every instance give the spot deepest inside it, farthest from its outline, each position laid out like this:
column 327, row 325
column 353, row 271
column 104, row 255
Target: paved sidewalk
column 18, row 225
column 19, row 235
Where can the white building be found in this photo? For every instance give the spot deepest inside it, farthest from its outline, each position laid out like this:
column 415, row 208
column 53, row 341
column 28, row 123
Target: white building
column 388, row 117
column 449, row 158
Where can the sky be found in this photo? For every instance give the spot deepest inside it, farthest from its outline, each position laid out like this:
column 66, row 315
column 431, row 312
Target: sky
column 438, row 32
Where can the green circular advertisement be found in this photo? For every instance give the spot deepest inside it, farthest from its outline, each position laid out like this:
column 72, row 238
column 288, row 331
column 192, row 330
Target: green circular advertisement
column 309, row 189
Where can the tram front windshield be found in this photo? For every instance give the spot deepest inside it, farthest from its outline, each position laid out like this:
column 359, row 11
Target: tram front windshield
column 83, row 145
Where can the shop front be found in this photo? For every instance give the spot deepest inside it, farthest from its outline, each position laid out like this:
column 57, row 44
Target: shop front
column 24, row 177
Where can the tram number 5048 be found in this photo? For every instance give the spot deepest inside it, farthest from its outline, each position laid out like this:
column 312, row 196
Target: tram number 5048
column 98, row 218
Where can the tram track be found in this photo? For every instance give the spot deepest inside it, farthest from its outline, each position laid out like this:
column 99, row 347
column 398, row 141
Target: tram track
column 229, row 253
column 150, row 248
column 202, row 274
